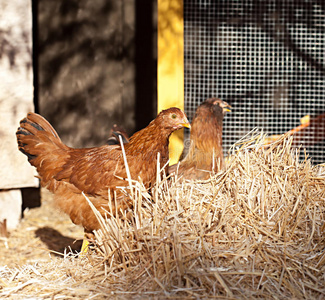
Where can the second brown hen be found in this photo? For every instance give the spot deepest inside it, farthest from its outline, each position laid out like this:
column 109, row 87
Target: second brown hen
column 116, row 133
column 205, row 154
column 98, row 171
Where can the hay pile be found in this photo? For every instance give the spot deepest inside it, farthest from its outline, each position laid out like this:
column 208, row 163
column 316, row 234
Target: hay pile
column 254, row 231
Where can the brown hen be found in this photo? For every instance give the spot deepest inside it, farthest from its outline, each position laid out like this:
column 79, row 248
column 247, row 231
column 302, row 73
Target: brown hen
column 67, row 172
column 205, row 154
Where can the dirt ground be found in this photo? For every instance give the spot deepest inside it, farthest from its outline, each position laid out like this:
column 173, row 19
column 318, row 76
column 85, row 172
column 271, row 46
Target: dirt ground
column 44, row 232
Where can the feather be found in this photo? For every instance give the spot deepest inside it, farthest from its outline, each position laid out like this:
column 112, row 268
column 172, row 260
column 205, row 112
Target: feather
column 205, row 154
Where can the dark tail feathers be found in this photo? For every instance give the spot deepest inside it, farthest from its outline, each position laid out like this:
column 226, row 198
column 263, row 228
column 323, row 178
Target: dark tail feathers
column 35, row 130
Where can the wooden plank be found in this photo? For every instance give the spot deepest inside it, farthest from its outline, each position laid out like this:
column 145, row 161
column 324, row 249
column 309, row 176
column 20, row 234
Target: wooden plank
column 171, row 65
column 16, row 99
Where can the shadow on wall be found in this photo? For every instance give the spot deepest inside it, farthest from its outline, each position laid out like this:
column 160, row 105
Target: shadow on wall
column 87, row 58
column 9, row 51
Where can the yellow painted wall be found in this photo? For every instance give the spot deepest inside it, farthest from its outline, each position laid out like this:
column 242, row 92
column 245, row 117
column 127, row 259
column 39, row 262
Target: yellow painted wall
column 171, row 65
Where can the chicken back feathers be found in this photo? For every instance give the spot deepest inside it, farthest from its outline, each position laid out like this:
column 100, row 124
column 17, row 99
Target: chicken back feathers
column 205, row 154
column 67, row 172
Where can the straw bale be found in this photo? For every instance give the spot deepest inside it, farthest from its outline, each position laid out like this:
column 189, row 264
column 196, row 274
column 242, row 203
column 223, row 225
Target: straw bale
column 255, row 230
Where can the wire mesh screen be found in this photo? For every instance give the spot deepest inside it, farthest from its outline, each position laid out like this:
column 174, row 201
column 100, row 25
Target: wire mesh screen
column 265, row 58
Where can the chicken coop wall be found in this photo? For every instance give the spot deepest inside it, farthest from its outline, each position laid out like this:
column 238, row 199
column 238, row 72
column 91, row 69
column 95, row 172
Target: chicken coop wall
column 265, row 58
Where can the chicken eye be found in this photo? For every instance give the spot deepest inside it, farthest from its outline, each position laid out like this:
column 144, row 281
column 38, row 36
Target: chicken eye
column 174, row 116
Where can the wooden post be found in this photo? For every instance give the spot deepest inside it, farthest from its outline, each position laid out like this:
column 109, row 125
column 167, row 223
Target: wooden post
column 16, row 99
column 171, row 65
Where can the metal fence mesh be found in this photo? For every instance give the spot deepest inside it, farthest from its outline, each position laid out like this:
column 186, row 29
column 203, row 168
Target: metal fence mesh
column 265, row 58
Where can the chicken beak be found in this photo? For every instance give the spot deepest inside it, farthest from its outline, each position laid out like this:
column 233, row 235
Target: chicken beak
column 226, row 107
column 185, row 123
